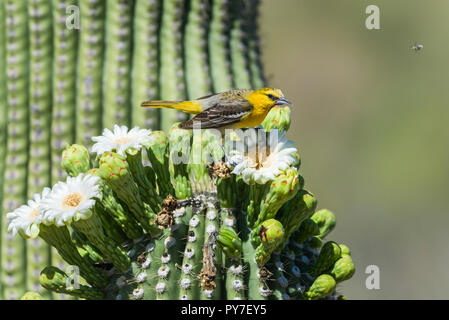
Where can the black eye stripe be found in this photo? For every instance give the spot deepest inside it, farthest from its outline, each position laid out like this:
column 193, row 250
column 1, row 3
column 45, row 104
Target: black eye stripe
column 273, row 98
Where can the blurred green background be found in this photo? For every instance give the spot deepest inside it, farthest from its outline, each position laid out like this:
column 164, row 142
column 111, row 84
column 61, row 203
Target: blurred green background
column 370, row 118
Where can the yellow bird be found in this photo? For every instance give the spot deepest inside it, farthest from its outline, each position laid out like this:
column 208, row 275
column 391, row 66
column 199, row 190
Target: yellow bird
column 239, row 108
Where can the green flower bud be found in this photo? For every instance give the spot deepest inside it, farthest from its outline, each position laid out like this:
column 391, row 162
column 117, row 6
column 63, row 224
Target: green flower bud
column 54, row 279
column 345, row 251
column 296, row 210
column 323, row 286
column 282, row 189
column 278, row 117
column 269, row 235
column 114, row 170
column 315, row 243
column 113, row 166
column 157, row 151
column 75, row 160
column 308, row 228
column 330, row 253
column 31, row 295
column 343, row 269
column 230, row 242
column 179, row 157
column 325, row 220
column 146, row 186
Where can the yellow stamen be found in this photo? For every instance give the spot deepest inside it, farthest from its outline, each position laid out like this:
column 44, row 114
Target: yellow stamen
column 33, row 214
column 122, row 140
column 72, row 200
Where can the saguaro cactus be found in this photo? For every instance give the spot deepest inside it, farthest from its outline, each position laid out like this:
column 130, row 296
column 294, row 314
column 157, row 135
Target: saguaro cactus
column 61, row 83
column 204, row 241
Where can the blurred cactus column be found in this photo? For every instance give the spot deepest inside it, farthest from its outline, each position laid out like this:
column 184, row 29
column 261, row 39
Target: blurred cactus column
column 13, row 275
column 90, row 71
column 145, row 65
column 195, row 43
column 239, row 44
column 3, row 113
column 117, row 68
column 254, row 55
column 3, row 108
column 219, row 49
column 40, row 100
column 171, row 73
column 65, row 42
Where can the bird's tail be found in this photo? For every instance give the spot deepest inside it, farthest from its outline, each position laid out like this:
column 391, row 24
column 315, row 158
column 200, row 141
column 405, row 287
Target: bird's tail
column 184, row 106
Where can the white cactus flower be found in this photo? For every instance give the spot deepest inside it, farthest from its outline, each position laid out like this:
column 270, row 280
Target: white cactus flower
column 71, row 200
column 120, row 140
column 25, row 220
column 260, row 163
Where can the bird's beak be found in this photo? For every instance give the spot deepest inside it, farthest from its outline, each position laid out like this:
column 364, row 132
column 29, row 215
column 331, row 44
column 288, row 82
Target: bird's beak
column 282, row 101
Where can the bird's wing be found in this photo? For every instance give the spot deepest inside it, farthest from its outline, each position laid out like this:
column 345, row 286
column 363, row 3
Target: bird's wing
column 220, row 115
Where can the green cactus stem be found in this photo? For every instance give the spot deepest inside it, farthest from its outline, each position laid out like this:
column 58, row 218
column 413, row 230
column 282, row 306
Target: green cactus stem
column 295, row 211
column 3, row 106
column 239, row 46
column 40, row 99
column 212, row 257
column 282, row 189
column 229, row 242
column 147, row 187
column 171, row 74
column 56, row 280
column 92, row 228
column 219, row 49
column 15, row 172
column 254, row 53
column 59, row 238
column 90, row 71
column 115, row 171
column 179, row 142
column 117, row 65
column 111, row 209
column 145, row 64
column 174, row 222
column 195, row 49
column 193, row 257
column 3, row 117
column 65, row 42
column 157, row 152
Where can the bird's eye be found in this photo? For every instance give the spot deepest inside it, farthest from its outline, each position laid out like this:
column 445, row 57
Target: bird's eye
column 272, row 97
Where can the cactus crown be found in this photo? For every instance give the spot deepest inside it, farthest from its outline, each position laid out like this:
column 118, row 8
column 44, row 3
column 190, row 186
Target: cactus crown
column 192, row 223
